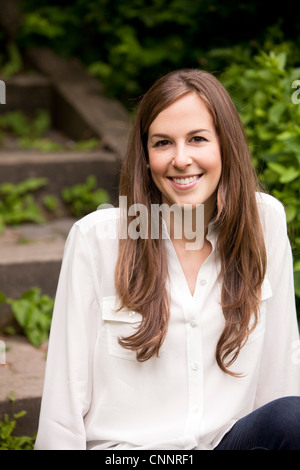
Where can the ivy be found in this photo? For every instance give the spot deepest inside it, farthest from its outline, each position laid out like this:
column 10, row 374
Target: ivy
column 33, row 312
column 17, row 203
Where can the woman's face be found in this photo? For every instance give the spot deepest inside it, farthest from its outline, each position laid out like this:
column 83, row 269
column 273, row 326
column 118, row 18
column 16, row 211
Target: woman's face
column 184, row 153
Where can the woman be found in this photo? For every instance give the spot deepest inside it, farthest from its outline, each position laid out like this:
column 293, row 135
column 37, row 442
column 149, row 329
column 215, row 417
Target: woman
column 157, row 344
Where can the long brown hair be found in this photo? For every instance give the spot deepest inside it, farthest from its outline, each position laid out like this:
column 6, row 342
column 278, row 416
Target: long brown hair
column 141, row 269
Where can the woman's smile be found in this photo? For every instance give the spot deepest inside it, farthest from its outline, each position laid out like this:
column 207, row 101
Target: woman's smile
column 184, row 183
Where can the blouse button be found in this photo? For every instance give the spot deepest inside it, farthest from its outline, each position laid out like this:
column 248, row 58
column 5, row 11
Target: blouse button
column 132, row 314
column 195, row 365
column 193, row 323
column 202, row 282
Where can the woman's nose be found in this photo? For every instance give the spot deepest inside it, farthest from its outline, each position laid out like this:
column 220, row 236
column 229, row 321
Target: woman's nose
column 181, row 158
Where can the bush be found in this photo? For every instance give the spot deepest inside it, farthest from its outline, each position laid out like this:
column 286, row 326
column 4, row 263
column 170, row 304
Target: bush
column 129, row 44
column 263, row 92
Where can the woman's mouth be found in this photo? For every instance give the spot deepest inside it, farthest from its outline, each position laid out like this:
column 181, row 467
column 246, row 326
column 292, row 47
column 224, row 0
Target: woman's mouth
column 186, row 182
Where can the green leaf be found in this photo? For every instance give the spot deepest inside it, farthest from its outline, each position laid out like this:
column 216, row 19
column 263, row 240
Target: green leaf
column 286, row 174
column 289, row 175
column 33, row 312
column 285, row 135
column 276, row 111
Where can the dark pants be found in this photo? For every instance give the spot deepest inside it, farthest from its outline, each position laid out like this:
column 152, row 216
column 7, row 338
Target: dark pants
column 274, row 426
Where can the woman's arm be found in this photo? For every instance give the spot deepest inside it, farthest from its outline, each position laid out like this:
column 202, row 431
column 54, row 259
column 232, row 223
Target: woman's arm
column 280, row 367
column 68, row 378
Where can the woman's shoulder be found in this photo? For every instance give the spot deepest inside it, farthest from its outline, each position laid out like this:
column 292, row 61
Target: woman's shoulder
column 266, row 202
column 272, row 213
column 101, row 217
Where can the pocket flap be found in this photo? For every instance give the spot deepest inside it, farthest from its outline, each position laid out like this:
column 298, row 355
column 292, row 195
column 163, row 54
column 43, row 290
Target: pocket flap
column 110, row 311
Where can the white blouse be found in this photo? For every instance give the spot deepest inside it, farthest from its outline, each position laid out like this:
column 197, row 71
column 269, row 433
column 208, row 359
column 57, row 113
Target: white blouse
column 98, row 396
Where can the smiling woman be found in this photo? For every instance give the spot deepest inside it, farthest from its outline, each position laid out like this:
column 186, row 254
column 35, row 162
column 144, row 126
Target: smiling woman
column 152, row 345
column 219, row 158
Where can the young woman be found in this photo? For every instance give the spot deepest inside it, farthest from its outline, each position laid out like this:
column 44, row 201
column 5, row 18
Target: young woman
column 157, row 344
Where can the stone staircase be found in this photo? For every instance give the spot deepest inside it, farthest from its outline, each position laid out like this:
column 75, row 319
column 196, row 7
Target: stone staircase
column 31, row 254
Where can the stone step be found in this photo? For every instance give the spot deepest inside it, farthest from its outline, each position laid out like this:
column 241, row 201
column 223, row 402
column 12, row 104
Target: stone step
column 79, row 103
column 63, row 169
column 22, row 377
column 30, row 256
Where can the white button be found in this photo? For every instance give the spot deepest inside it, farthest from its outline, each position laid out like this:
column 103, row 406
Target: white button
column 132, row 314
column 193, row 323
column 202, row 282
column 195, row 365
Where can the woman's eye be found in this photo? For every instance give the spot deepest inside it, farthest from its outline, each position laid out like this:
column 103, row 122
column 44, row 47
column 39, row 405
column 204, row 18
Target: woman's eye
column 161, row 143
column 198, row 138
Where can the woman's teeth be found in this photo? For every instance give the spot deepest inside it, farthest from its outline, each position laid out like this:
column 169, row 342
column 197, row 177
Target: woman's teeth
column 185, row 180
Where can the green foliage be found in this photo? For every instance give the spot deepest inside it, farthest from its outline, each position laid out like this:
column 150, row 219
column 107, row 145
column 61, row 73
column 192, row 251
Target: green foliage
column 13, row 63
column 49, row 23
column 33, row 313
column 17, row 204
column 10, row 442
column 50, row 202
column 7, row 440
column 31, row 133
column 89, row 144
column 21, row 126
column 84, row 198
column 262, row 92
column 140, row 39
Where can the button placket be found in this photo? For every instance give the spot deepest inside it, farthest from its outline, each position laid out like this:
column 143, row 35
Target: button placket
column 194, row 364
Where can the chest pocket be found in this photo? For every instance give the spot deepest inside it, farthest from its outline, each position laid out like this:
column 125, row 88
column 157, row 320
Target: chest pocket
column 118, row 324
column 266, row 293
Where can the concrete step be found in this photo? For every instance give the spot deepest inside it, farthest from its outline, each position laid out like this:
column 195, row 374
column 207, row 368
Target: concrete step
column 79, row 104
column 62, row 169
column 22, row 377
column 30, row 256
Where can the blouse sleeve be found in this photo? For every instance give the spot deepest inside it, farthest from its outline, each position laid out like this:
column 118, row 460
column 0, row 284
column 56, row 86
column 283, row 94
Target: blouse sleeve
column 280, row 367
column 67, row 386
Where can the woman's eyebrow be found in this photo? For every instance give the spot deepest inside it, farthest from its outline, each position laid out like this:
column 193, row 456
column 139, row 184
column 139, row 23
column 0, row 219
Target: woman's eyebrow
column 196, row 131
column 165, row 136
